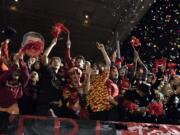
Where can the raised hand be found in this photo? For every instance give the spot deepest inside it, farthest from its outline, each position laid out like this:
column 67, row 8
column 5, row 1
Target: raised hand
column 6, row 41
column 100, row 46
column 114, row 55
column 21, row 55
column 105, row 55
column 68, row 43
column 88, row 67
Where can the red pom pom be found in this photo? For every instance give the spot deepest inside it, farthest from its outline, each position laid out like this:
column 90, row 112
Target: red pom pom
column 160, row 62
column 132, row 107
column 171, row 65
column 155, row 108
column 135, row 41
column 57, row 29
column 33, row 48
column 119, row 61
column 124, row 84
column 129, row 65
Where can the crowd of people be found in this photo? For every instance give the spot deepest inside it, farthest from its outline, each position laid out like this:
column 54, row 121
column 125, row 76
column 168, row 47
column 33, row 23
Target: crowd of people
column 76, row 88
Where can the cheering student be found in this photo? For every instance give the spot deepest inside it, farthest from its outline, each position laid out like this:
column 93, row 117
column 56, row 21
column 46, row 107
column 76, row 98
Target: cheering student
column 12, row 84
column 78, row 61
column 50, row 83
column 27, row 103
column 98, row 98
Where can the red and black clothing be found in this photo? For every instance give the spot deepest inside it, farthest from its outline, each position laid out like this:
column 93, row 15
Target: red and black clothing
column 71, row 99
column 9, row 94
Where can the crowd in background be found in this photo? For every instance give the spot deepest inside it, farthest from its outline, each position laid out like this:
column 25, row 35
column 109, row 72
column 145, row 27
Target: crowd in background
column 75, row 88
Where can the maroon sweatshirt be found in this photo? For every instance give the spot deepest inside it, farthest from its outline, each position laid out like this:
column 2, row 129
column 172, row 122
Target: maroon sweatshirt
column 9, row 94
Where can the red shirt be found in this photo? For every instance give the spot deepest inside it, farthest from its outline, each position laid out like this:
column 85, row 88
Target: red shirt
column 123, row 85
column 71, row 95
column 10, row 93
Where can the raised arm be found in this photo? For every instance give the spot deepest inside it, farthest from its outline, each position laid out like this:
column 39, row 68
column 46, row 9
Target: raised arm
column 136, row 57
column 113, row 58
column 46, row 53
column 48, row 50
column 24, row 73
column 87, row 81
column 105, row 55
column 142, row 64
column 68, row 53
column 4, row 50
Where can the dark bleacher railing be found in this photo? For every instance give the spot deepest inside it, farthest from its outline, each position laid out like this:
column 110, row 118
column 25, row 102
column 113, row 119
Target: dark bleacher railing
column 35, row 125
